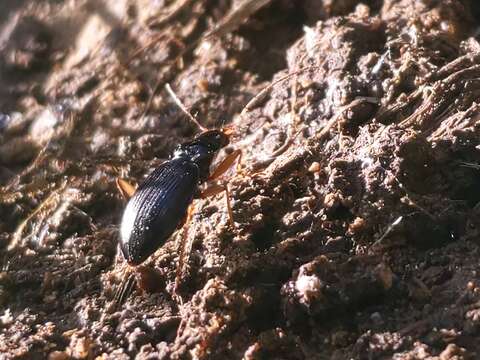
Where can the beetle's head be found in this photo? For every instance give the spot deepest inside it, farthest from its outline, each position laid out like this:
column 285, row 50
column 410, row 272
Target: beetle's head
column 213, row 139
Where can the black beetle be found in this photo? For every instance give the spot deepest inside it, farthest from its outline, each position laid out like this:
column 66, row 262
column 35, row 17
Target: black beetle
column 163, row 202
column 160, row 204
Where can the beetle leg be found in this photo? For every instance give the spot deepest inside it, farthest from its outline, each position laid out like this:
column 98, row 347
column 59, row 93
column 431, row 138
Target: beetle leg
column 226, row 164
column 184, row 249
column 215, row 189
column 229, row 205
column 125, row 188
column 124, row 289
column 146, row 278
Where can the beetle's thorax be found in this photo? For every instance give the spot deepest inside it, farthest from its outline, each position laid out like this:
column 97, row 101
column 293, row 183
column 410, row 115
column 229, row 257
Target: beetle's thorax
column 202, row 150
column 198, row 155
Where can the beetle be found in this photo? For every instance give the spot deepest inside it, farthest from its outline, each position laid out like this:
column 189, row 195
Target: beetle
column 163, row 202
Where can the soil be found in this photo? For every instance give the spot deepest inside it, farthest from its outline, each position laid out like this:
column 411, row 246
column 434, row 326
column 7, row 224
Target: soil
column 357, row 224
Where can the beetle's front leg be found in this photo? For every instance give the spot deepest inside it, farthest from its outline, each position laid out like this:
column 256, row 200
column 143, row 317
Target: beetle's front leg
column 215, row 188
column 226, row 164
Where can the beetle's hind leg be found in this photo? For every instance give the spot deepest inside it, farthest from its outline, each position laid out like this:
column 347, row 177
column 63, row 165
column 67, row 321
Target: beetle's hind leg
column 125, row 288
column 147, row 279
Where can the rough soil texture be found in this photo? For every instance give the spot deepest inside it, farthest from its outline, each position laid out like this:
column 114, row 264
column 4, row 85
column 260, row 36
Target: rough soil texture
column 357, row 227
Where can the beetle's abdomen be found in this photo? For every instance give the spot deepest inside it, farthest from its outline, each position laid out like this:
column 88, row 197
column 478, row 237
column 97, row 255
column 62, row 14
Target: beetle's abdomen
column 157, row 208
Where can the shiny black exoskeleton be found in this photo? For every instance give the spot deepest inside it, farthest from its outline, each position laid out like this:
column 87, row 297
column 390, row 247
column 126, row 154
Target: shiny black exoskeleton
column 160, row 204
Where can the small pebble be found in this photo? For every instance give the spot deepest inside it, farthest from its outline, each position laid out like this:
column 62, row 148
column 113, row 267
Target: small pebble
column 471, row 285
column 314, row 167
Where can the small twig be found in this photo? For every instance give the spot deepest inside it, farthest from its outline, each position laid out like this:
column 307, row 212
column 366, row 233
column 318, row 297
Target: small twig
column 17, row 235
column 320, row 136
column 469, row 165
column 257, row 98
column 171, row 13
column 235, row 18
column 331, row 123
column 390, row 228
column 412, row 203
column 228, row 24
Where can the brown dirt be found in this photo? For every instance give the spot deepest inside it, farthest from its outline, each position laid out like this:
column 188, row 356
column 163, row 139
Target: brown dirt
column 358, row 240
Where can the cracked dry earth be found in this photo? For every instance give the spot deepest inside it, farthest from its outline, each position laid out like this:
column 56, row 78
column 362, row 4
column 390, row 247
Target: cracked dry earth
column 357, row 221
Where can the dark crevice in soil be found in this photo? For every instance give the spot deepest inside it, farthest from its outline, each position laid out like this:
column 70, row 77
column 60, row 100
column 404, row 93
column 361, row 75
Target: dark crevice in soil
column 263, row 238
column 270, row 33
column 265, row 313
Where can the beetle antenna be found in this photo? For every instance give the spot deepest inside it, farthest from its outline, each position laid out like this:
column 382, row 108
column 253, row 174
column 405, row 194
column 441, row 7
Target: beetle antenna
column 183, row 108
